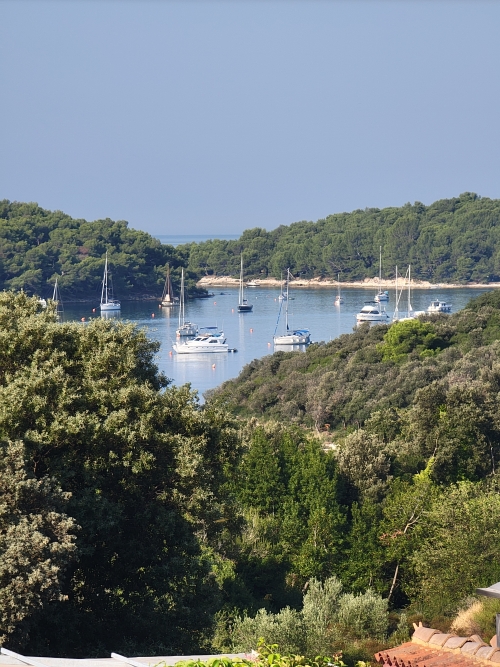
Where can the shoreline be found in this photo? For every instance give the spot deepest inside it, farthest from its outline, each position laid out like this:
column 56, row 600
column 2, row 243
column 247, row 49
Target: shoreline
column 319, row 283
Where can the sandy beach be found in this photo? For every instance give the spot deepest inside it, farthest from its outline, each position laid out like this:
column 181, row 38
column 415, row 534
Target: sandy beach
column 368, row 283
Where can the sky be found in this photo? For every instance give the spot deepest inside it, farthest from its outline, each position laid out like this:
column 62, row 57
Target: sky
column 211, row 117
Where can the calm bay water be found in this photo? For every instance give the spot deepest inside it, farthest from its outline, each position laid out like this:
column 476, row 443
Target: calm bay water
column 252, row 333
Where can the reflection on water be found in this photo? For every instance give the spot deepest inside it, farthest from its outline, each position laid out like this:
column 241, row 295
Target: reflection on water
column 252, row 333
column 290, row 348
column 110, row 314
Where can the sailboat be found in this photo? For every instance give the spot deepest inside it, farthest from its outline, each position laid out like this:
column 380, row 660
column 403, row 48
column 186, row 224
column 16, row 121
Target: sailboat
column 185, row 328
column 243, row 305
column 56, row 298
column 291, row 336
column 167, row 298
column 339, row 299
column 108, row 302
column 410, row 313
column 381, row 295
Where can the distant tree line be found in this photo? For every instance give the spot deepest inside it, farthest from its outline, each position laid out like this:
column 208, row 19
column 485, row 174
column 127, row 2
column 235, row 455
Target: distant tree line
column 453, row 240
column 37, row 246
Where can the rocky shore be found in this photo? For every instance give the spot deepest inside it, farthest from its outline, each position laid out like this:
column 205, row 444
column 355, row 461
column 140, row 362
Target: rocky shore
column 368, row 283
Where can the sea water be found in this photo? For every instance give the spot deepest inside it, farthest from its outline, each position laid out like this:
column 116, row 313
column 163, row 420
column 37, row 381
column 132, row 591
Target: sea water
column 251, row 334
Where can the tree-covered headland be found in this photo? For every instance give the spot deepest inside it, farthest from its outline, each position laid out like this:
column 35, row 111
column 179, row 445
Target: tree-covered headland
column 453, row 240
column 133, row 519
column 37, row 246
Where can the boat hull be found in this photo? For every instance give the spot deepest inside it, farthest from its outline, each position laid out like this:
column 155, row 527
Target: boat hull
column 245, row 308
column 294, row 338
column 188, row 348
column 367, row 317
column 111, row 305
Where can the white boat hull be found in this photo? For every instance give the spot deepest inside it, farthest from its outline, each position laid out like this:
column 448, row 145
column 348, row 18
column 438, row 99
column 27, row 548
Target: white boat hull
column 111, row 305
column 293, row 339
column 381, row 297
column 210, row 348
column 368, row 317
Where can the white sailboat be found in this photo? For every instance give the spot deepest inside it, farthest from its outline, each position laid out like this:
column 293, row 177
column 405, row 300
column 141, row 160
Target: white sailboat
column 56, row 298
column 382, row 295
column 339, row 299
column 185, row 328
column 291, row 336
column 167, row 298
column 108, row 302
column 410, row 313
column 243, row 305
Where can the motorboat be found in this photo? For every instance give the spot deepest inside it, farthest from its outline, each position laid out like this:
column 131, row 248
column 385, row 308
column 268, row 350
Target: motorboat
column 167, row 298
column 186, row 328
column 211, row 340
column 252, row 283
column 372, row 312
column 437, row 306
column 243, row 305
column 290, row 336
column 108, row 302
column 381, row 296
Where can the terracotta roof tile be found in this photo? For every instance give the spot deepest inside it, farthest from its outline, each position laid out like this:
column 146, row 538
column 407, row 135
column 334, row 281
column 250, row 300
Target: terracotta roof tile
column 424, row 633
column 439, row 639
column 432, row 648
column 456, row 642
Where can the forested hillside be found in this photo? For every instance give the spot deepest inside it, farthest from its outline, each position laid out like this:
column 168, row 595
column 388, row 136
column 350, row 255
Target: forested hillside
column 342, row 382
column 453, row 240
column 37, row 246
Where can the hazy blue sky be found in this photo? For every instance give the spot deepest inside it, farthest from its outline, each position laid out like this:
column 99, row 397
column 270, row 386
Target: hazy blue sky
column 212, row 117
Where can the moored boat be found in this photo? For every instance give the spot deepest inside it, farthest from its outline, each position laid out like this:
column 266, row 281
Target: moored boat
column 243, row 305
column 167, row 299
column 339, row 299
column 290, row 336
column 108, row 302
column 211, row 341
column 372, row 312
column 186, row 328
column 437, row 306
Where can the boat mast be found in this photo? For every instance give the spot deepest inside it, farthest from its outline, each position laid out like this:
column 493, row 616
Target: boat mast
column 286, row 304
column 241, row 282
column 409, row 290
column 380, row 271
column 181, row 309
column 104, row 293
column 396, row 313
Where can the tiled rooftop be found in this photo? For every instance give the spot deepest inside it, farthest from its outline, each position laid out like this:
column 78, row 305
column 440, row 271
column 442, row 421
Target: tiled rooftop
column 431, row 648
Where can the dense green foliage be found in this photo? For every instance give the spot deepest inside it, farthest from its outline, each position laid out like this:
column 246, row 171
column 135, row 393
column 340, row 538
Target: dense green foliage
column 413, row 412
column 38, row 246
column 115, row 488
column 140, row 522
column 453, row 240
column 343, row 382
